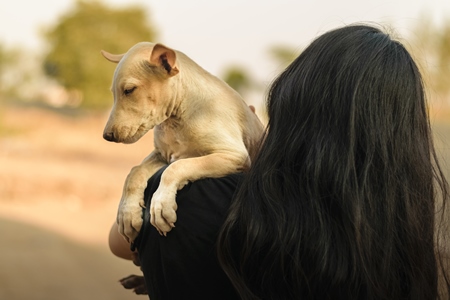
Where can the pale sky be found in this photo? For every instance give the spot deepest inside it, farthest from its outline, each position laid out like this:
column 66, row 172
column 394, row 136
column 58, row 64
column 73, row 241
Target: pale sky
column 217, row 33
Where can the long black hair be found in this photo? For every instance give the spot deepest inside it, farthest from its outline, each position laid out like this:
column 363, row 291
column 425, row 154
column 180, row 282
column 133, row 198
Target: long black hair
column 340, row 201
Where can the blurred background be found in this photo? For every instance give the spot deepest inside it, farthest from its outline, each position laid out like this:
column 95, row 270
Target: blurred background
column 60, row 182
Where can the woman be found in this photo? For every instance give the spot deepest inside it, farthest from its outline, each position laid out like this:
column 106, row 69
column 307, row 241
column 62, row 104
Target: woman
column 184, row 264
column 340, row 201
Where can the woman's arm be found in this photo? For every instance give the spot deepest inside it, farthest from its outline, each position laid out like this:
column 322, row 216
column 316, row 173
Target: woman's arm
column 118, row 245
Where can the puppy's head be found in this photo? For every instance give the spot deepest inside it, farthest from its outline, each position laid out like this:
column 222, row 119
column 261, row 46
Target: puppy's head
column 143, row 91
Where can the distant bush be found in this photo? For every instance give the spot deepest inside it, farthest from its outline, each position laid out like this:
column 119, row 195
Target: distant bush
column 75, row 42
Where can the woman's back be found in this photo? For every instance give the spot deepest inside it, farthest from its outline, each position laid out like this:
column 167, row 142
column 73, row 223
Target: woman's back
column 340, row 202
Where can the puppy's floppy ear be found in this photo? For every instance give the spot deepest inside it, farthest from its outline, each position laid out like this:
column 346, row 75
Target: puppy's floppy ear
column 115, row 58
column 164, row 57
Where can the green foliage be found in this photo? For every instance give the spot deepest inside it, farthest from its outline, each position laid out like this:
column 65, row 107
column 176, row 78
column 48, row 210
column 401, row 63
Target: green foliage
column 432, row 51
column 283, row 55
column 3, row 64
column 8, row 59
column 443, row 57
column 74, row 58
column 237, row 78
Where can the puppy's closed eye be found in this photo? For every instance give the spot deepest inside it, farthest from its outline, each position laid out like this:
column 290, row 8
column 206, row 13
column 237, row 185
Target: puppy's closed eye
column 129, row 91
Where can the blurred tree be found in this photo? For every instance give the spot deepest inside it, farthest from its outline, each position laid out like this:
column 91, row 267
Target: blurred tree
column 238, row 79
column 8, row 58
column 443, row 59
column 432, row 51
column 283, row 55
column 253, row 89
column 75, row 42
column 3, row 63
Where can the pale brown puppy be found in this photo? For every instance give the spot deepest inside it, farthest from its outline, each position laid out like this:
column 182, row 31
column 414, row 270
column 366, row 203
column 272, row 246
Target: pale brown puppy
column 202, row 128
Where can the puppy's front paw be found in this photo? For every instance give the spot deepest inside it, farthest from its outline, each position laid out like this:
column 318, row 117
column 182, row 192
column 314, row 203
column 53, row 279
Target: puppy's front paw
column 129, row 219
column 163, row 211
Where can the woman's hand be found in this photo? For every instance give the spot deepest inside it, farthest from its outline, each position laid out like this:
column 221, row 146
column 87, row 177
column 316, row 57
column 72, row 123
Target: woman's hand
column 119, row 246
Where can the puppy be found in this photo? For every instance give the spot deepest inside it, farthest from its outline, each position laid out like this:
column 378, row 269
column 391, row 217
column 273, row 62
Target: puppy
column 202, row 128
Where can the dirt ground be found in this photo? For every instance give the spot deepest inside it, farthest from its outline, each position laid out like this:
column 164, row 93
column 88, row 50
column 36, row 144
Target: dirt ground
column 60, row 184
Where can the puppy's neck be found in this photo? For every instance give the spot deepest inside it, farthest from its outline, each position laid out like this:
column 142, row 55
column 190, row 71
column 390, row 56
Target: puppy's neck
column 198, row 88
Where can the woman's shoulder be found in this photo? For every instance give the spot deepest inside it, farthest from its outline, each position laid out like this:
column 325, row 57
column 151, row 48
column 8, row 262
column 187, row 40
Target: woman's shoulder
column 184, row 264
column 222, row 187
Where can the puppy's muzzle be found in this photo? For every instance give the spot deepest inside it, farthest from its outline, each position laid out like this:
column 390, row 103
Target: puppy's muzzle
column 109, row 136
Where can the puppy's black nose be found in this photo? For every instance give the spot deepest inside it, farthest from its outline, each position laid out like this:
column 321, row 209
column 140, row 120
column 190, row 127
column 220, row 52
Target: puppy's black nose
column 109, row 136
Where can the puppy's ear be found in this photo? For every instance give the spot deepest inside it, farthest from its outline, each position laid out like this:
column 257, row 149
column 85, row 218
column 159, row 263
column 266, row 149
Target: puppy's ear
column 115, row 58
column 164, row 57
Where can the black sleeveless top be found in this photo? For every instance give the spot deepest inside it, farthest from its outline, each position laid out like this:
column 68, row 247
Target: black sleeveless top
column 184, row 264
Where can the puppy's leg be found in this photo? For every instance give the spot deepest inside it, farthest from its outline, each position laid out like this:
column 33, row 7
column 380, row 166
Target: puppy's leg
column 129, row 215
column 179, row 173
